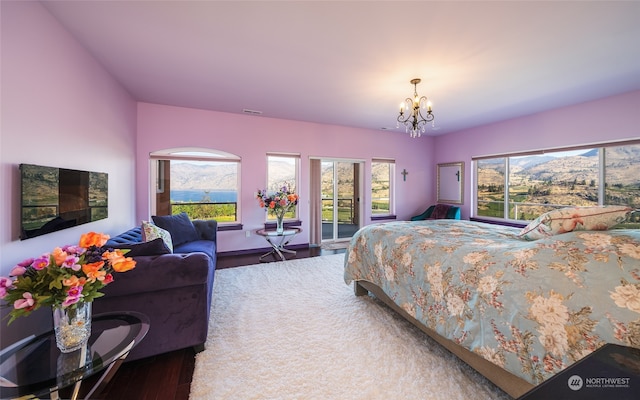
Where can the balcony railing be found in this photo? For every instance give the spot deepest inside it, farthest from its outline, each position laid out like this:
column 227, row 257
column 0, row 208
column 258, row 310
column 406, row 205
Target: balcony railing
column 221, row 212
column 345, row 210
column 518, row 211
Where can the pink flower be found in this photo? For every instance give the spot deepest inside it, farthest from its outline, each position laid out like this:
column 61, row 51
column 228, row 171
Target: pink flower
column 18, row 270
column 75, row 291
column 5, row 283
column 26, row 302
column 71, row 249
column 41, row 262
column 69, row 301
column 108, row 279
column 74, row 294
column 72, row 262
column 26, row 262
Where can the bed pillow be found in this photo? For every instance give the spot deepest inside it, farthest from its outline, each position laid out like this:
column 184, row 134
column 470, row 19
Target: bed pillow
column 154, row 247
column 575, row 218
column 151, row 232
column 179, row 226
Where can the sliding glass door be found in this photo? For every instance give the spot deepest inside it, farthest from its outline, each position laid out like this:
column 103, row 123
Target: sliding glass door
column 340, row 192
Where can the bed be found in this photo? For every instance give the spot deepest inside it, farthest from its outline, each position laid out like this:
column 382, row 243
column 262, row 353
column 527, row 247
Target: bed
column 518, row 311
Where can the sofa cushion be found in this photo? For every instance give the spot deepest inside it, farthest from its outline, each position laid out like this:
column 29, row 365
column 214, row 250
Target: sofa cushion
column 207, row 228
column 204, row 246
column 151, row 232
column 132, row 236
column 179, row 226
column 165, row 272
column 152, row 248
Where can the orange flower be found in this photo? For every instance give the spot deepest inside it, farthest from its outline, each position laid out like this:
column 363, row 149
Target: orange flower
column 74, row 281
column 59, row 256
column 92, row 267
column 93, row 271
column 93, row 239
column 125, row 265
column 113, row 256
column 118, row 261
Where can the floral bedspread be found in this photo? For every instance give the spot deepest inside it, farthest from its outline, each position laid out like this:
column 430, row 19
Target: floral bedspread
column 531, row 307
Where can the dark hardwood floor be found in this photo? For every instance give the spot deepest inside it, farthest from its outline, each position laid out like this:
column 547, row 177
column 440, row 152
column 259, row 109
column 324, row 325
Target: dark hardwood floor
column 168, row 376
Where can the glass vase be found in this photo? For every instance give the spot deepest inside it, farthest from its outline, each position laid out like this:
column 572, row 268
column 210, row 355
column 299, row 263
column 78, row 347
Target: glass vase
column 279, row 224
column 72, row 326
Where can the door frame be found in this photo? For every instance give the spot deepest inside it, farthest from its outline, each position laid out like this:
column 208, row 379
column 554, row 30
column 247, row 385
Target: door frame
column 359, row 189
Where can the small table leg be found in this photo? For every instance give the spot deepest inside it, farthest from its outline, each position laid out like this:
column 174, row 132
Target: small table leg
column 278, row 248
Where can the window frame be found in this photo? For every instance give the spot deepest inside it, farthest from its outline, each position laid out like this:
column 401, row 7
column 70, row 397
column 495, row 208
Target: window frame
column 392, row 186
column 200, row 155
column 296, row 184
column 601, row 173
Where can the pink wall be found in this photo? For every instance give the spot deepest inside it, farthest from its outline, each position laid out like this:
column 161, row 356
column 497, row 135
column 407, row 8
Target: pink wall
column 610, row 119
column 59, row 108
column 250, row 137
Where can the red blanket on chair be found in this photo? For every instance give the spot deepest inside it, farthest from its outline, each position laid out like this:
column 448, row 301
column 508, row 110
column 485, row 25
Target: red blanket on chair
column 440, row 211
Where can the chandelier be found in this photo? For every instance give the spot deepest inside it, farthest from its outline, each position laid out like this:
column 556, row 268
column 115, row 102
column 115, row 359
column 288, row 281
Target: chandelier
column 415, row 122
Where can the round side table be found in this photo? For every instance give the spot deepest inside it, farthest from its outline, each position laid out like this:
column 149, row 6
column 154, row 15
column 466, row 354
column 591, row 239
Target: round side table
column 35, row 367
column 278, row 241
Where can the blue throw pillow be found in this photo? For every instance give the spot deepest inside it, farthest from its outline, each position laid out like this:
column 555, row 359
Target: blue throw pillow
column 153, row 248
column 179, row 226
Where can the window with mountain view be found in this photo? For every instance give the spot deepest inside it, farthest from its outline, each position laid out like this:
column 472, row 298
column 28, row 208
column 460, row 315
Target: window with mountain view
column 382, row 172
column 204, row 184
column 205, row 189
column 282, row 170
column 543, row 182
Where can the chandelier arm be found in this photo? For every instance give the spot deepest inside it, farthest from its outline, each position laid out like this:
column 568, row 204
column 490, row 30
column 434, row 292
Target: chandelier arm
column 408, row 104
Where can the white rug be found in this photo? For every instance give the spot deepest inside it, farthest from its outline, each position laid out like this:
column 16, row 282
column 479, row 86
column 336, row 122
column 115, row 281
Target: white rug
column 295, row 330
column 335, row 245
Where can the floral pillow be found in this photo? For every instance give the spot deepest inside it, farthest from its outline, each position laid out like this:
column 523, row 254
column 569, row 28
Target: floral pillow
column 575, row 218
column 151, row 232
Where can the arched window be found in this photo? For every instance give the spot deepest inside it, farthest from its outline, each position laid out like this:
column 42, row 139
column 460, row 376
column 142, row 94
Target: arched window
column 204, row 183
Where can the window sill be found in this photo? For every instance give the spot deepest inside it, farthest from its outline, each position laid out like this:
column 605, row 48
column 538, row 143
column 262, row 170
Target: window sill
column 382, row 217
column 230, row 227
column 500, row 222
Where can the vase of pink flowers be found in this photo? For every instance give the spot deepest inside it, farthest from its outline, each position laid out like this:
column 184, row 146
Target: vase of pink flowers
column 278, row 203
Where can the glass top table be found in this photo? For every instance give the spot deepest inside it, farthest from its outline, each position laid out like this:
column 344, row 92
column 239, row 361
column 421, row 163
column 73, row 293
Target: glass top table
column 278, row 240
column 35, row 367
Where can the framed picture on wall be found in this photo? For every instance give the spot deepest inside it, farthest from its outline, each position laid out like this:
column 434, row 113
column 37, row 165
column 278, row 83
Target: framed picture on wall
column 451, row 183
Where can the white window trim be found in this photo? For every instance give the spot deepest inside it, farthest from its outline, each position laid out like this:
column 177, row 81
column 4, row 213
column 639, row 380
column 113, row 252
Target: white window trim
column 193, row 154
column 601, row 174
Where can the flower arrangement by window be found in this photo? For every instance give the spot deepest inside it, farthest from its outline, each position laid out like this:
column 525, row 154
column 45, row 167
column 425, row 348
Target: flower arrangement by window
column 64, row 277
column 280, row 202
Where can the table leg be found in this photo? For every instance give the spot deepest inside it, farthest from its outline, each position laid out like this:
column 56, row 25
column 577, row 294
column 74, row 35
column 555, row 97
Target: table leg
column 106, row 376
column 278, row 248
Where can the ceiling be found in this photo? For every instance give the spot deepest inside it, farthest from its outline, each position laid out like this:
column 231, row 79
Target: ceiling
column 350, row 63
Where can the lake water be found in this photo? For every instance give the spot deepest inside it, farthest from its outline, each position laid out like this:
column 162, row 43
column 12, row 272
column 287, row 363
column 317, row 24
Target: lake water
column 199, row 196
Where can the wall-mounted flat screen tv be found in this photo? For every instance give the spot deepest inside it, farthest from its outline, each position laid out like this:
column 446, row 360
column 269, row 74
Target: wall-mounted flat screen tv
column 57, row 198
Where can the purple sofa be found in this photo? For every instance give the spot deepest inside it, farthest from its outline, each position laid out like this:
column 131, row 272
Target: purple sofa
column 173, row 289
